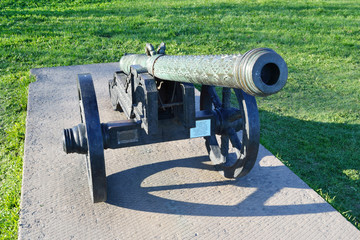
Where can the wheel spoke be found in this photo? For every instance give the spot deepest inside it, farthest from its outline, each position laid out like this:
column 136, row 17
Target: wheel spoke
column 214, row 97
column 234, row 115
column 226, row 94
column 224, row 145
column 234, row 139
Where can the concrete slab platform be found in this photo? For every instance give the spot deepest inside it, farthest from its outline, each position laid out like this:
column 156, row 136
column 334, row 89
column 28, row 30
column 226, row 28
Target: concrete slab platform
column 160, row 191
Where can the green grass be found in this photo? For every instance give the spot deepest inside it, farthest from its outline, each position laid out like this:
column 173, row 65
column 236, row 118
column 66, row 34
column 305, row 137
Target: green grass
column 312, row 125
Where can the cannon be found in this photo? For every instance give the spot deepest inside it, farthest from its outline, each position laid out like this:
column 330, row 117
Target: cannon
column 156, row 93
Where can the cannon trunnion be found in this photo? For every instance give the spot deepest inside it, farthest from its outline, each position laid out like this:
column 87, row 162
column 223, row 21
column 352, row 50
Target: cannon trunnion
column 163, row 109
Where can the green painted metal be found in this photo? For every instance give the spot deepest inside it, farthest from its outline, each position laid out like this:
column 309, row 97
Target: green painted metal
column 259, row 72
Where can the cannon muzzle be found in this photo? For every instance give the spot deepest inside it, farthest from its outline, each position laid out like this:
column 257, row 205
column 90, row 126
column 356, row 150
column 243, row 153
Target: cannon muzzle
column 258, row 72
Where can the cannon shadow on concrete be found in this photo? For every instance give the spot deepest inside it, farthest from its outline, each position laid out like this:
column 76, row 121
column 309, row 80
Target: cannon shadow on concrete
column 126, row 189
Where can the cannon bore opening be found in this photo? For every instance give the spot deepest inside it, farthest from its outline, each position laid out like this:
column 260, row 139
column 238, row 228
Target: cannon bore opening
column 270, row 74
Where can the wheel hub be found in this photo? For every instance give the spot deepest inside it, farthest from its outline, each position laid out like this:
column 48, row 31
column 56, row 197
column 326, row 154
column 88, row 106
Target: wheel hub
column 227, row 119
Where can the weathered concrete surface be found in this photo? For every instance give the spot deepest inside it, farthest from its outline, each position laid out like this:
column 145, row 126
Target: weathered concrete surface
column 164, row 191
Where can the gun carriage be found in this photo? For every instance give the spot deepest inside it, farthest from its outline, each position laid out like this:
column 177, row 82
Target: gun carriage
column 156, row 93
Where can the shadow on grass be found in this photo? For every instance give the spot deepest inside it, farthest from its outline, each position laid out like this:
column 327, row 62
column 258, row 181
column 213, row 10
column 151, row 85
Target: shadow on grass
column 324, row 155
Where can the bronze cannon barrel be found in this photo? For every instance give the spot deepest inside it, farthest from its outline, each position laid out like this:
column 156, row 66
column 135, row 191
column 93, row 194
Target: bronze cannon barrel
column 258, row 72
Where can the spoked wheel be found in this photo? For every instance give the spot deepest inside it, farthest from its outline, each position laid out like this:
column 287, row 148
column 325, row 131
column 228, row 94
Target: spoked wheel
column 237, row 122
column 95, row 164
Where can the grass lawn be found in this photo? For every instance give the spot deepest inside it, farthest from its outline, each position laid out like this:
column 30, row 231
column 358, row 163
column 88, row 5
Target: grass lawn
column 312, row 125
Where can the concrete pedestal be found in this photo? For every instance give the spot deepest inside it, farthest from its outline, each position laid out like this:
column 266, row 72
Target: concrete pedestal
column 160, row 191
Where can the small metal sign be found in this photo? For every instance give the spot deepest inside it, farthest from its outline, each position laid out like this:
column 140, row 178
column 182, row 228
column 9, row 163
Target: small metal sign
column 202, row 129
column 127, row 136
